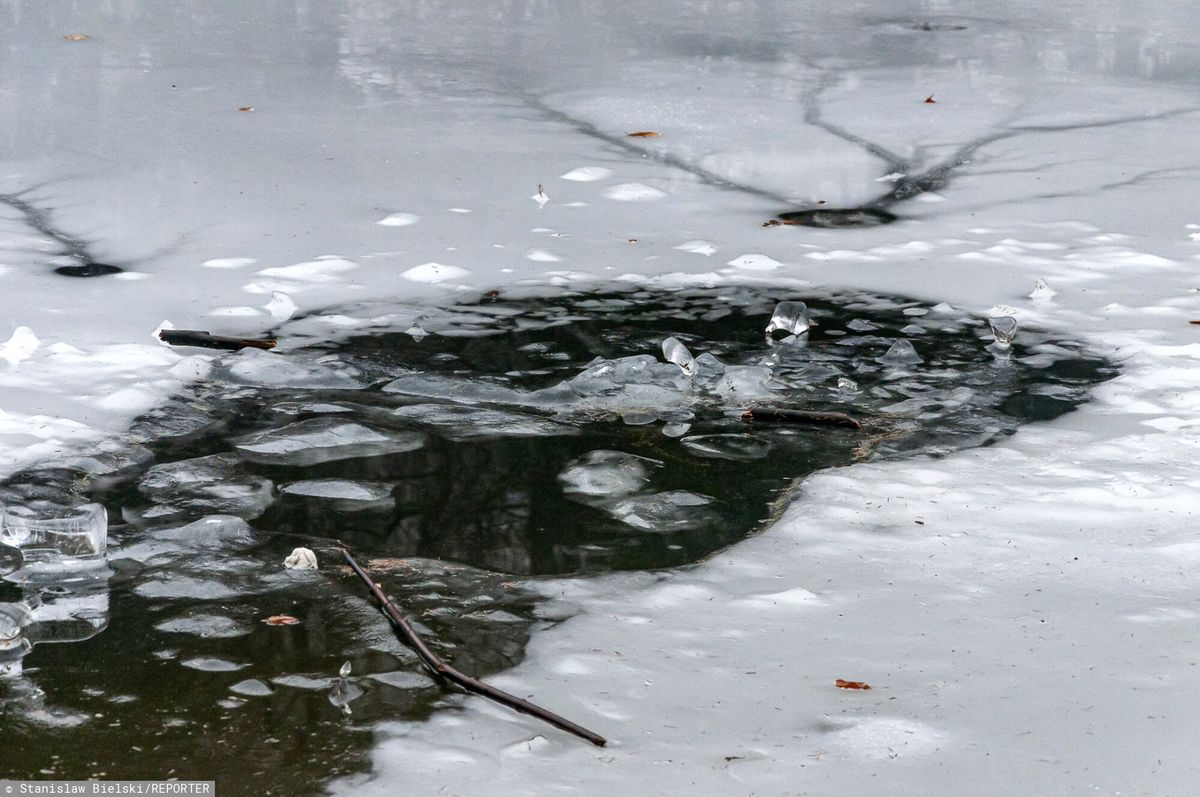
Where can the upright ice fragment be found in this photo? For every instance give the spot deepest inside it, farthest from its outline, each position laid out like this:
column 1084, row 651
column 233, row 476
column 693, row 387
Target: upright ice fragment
column 56, row 538
column 677, row 353
column 901, row 352
column 789, row 317
column 1004, row 329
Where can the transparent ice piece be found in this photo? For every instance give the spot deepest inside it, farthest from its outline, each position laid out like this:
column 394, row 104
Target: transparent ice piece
column 1004, row 329
column 676, row 429
column 459, row 423
column 52, row 537
column 320, row 440
column 664, row 512
column 790, row 317
column 740, row 447
column 676, row 352
column 14, row 618
column 606, row 474
column 847, row 384
column 208, row 485
column 901, row 352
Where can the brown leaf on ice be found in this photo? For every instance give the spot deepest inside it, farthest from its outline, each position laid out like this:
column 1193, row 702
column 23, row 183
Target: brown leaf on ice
column 281, row 619
column 1197, row 323
column 76, row 37
column 246, row 108
column 643, row 134
column 840, row 684
column 930, row 100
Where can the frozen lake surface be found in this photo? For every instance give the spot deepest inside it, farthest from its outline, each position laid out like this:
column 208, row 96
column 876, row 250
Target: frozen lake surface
column 1025, row 612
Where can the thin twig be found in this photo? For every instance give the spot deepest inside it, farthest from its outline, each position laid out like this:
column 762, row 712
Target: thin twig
column 443, row 670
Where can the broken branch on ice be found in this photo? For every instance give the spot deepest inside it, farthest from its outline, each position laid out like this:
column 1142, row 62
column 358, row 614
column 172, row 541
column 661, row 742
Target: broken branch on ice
column 206, row 340
column 444, row 671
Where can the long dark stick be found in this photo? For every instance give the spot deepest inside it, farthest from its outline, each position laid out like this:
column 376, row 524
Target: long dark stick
column 443, row 670
column 206, row 340
column 806, row 417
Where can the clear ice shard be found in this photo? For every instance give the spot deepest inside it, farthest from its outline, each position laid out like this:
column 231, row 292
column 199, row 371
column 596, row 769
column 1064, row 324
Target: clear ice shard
column 741, row 447
column 674, row 510
column 901, row 352
column 320, row 440
column 461, row 423
column 601, row 475
column 675, row 352
column 1004, row 329
column 215, row 484
column 790, row 317
column 53, row 538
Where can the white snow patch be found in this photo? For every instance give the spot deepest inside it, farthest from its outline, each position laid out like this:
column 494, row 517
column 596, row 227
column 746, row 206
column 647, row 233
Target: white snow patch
column 434, row 273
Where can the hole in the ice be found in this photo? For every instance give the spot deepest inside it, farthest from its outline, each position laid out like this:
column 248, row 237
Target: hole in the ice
column 457, row 449
column 839, row 217
column 88, row 270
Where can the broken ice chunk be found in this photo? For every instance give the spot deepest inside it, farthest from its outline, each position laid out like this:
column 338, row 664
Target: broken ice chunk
column 677, row 353
column 727, row 446
column 52, row 537
column 902, row 352
column 790, row 317
column 665, row 512
column 847, row 385
column 459, row 423
column 301, row 559
column 1042, row 291
column 606, row 474
column 206, row 485
column 1004, row 329
column 344, row 672
column 320, row 440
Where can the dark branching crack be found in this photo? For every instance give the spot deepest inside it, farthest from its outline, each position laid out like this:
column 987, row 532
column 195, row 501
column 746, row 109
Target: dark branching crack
column 70, row 247
column 910, row 184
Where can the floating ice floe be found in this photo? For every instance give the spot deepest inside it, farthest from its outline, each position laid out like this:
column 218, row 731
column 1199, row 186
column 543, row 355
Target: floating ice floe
column 603, row 475
column 455, row 422
column 324, row 440
column 902, row 352
column 210, row 485
column 754, row 262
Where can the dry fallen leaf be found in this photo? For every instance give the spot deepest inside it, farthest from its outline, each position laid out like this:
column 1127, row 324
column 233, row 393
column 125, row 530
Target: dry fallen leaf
column 930, row 100
column 76, row 37
column 281, row 619
column 840, row 684
column 1197, row 323
column 246, row 108
column 643, row 134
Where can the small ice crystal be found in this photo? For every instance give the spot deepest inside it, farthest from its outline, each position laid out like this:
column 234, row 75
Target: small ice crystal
column 416, row 333
column 677, row 353
column 1041, row 291
column 345, row 671
column 1004, row 329
column 901, row 353
column 846, row 384
column 790, row 317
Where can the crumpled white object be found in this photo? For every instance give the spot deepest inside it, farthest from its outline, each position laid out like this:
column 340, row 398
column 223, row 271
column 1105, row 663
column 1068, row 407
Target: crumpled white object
column 301, row 559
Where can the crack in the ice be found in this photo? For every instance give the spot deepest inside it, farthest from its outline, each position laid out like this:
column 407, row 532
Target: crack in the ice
column 71, row 247
column 591, row 131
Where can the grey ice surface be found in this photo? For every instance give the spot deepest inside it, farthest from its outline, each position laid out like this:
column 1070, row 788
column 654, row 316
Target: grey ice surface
column 1025, row 613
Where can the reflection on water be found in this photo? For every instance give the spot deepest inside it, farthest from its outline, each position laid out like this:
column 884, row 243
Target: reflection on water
column 511, row 437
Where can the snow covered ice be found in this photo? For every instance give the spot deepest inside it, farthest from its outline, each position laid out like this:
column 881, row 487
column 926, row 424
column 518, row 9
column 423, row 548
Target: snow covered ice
column 1024, row 612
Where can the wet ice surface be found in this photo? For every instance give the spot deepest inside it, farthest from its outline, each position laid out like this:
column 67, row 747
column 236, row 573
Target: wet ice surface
column 566, row 433
column 1025, row 610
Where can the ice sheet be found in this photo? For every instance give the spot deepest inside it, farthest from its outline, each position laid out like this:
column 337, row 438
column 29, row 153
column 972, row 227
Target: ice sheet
column 1025, row 613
